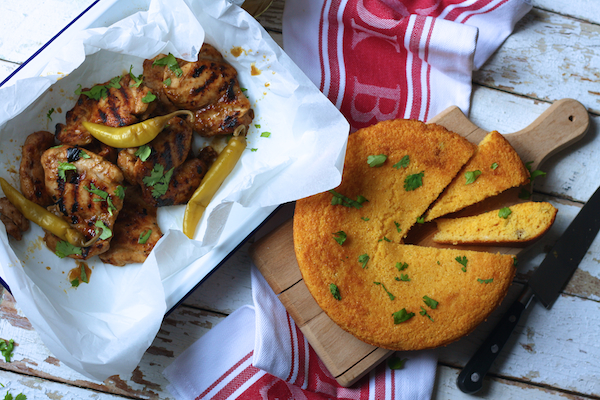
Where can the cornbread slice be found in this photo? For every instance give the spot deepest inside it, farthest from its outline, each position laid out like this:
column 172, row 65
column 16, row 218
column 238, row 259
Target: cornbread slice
column 350, row 252
column 521, row 223
column 500, row 169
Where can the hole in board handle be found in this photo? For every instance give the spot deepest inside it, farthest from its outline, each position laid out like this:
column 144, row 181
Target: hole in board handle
column 571, row 118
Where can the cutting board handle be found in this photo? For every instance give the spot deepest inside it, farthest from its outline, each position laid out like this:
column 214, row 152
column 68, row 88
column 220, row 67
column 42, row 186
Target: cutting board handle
column 562, row 124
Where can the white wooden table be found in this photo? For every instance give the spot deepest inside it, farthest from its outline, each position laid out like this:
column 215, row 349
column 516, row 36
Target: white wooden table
column 554, row 53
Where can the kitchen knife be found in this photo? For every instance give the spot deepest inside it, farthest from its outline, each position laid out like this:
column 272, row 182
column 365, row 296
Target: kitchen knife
column 545, row 284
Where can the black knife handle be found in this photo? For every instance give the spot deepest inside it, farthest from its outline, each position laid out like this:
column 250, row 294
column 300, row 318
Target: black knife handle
column 470, row 380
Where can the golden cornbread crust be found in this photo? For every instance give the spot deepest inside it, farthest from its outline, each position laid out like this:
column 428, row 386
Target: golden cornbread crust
column 525, row 223
column 501, row 169
column 395, row 276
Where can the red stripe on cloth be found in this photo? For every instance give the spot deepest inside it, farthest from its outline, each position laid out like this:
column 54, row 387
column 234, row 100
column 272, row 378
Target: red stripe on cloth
column 291, row 325
column 475, row 7
column 486, row 11
column 416, row 67
column 335, row 64
column 234, row 384
column 320, row 45
column 225, row 375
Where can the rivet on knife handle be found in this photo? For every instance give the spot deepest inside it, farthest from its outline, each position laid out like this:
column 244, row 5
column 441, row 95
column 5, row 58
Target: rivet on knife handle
column 470, row 380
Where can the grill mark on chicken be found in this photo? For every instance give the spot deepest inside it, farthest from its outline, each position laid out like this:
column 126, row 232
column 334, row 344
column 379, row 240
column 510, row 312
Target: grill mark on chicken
column 198, row 71
column 31, row 173
column 73, row 154
column 77, row 203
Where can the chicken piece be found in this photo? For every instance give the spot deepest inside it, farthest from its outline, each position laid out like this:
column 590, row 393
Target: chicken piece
column 103, row 150
column 12, row 218
column 31, row 173
column 135, row 233
column 210, row 88
column 169, row 149
column 175, row 187
column 154, row 79
column 87, row 191
column 125, row 103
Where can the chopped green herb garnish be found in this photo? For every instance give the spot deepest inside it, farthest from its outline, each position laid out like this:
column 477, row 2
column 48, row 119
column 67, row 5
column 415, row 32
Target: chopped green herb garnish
column 167, row 82
column 421, row 219
column 265, row 134
column 396, row 362
column 49, row 114
column 63, row 167
column 83, row 274
column 485, row 280
column 137, row 80
column 424, row 313
column 363, row 259
column 397, row 226
column 335, row 291
column 536, row 173
column 384, row 239
column 144, row 236
column 254, row 149
column 171, row 62
column 83, row 154
column 463, row 261
column 148, row 98
column 404, row 278
column 401, row 266
column 340, row 199
column 504, row 212
column 257, row 126
column 413, row 181
column 120, row 192
column 98, row 192
column 158, row 180
column 494, row 165
column 391, row 296
column 64, row 249
column 403, row 163
column 143, row 152
column 98, row 92
column 376, row 161
column 471, row 176
column 364, row 218
column 402, row 316
column 340, row 237
column 106, row 232
column 6, row 347
column 515, row 262
column 431, row 303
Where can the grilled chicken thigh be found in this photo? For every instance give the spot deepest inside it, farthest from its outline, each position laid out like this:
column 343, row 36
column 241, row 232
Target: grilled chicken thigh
column 87, row 191
column 124, row 103
column 135, row 233
column 168, row 176
column 209, row 87
column 12, row 218
column 31, row 173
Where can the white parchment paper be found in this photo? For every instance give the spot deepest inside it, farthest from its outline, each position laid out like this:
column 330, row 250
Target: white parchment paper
column 103, row 328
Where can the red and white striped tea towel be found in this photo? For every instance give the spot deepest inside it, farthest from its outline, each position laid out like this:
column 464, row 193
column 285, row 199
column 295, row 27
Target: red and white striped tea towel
column 259, row 353
column 383, row 59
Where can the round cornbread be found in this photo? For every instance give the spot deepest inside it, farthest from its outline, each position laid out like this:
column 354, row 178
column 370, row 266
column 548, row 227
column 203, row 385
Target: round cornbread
column 379, row 280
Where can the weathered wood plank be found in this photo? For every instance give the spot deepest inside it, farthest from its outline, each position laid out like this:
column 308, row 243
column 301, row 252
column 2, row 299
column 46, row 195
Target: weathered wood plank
column 549, row 56
column 36, row 388
column 494, row 388
column 31, row 357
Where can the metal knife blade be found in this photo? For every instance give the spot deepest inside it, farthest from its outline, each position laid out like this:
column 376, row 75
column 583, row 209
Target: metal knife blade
column 560, row 263
column 545, row 284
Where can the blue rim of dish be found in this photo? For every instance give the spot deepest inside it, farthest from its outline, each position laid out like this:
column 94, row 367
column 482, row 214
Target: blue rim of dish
column 242, row 242
column 44, row 47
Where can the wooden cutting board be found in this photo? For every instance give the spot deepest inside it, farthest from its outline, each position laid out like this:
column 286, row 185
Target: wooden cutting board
column 347, row 358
